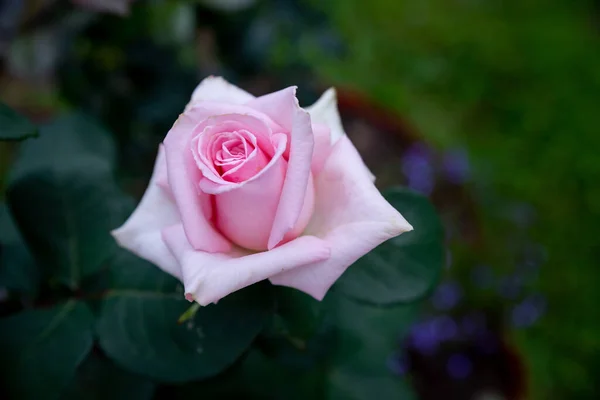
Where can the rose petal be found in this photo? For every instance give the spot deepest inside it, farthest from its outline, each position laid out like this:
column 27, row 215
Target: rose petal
column 350, row 214
column 325, row 111
column 141, row 233
column 183, row 179
column 323, row 147
column 210, row 277
column 279, row 106
column 245, row 215
column 211, row 187
column 293, row 195
column 215, row 88
column 207, row 134
column 283, row 108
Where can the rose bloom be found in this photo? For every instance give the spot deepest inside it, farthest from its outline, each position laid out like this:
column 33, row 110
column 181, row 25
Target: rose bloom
column 250, row 188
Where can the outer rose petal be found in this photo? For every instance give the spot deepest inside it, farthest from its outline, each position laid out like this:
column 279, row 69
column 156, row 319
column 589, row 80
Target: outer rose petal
column 323, row 147
column 325, row 111
column 350, row 214
column 215, row 88
column 183, row 181
column 210, row 277
column 283, row 108
column 141, row 233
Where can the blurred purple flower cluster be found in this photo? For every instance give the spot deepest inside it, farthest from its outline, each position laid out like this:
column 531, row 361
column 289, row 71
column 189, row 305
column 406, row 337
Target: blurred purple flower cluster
column 422, row 167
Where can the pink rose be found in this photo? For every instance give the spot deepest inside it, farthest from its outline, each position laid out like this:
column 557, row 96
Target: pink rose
column 250, row 188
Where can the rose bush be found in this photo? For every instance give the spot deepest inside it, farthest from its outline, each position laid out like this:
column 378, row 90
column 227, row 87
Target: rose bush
column 250, row 188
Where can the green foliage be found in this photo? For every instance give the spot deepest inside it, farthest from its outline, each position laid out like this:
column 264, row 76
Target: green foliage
column 138, row 325
column 404, row 268
column 98, row 378
column 41, row 349
column 518, row 84
column 18, row 270
column 368, row 337
column 13, row 126
column 69, row 168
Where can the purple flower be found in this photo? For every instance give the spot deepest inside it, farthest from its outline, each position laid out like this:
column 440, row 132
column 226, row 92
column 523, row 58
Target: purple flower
column 459, row 366
column 418, row 169
column 455, row 165
column 528, row 311
column 446, row 296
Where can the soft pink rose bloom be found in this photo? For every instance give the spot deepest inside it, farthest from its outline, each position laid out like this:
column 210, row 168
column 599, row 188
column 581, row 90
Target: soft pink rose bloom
column 250, row 188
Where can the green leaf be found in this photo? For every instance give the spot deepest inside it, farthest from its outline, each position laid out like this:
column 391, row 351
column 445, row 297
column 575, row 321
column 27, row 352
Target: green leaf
column 300, row 334
column 66, row 216
column 41, row 349
column 65, row 143
column 98, row 378
column 13, row 126
column 405, row 268
column 257, row 377
column 368, row 337
column 138, row 326
column 18, row 270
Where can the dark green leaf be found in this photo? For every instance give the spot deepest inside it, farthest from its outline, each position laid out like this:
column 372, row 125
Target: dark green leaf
column 258, row 377
column 65, row 143
column 138, row 325
column 18, row 270
column 368, row 337
column 300, row 334
column 66, row 215
column 98, row 378
column 41, row 349
column 404, row 268
column 13, row 126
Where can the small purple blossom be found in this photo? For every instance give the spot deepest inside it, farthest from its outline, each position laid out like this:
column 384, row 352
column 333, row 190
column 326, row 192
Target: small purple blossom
column 418, row 169
column 459, row 366
column 445, row 327
column 446, row 296
column 528, row 311
column 455, row 165
column 424, row 337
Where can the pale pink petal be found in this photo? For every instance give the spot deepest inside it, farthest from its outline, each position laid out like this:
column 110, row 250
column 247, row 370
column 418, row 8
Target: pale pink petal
column 210, row 277
column 215, row 88
column 160, row 171
column 220, row 112
column 210, row 187
column 141, row 233
column 293, row 195
column 323, row 147
column 245, row 215
column 325, row 111
column 283, row 108
column 280, row 106
column 183, row 180
column 207, row 132
column 350, row 214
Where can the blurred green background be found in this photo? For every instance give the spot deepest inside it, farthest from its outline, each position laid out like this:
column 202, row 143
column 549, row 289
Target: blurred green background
column 487, row 106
